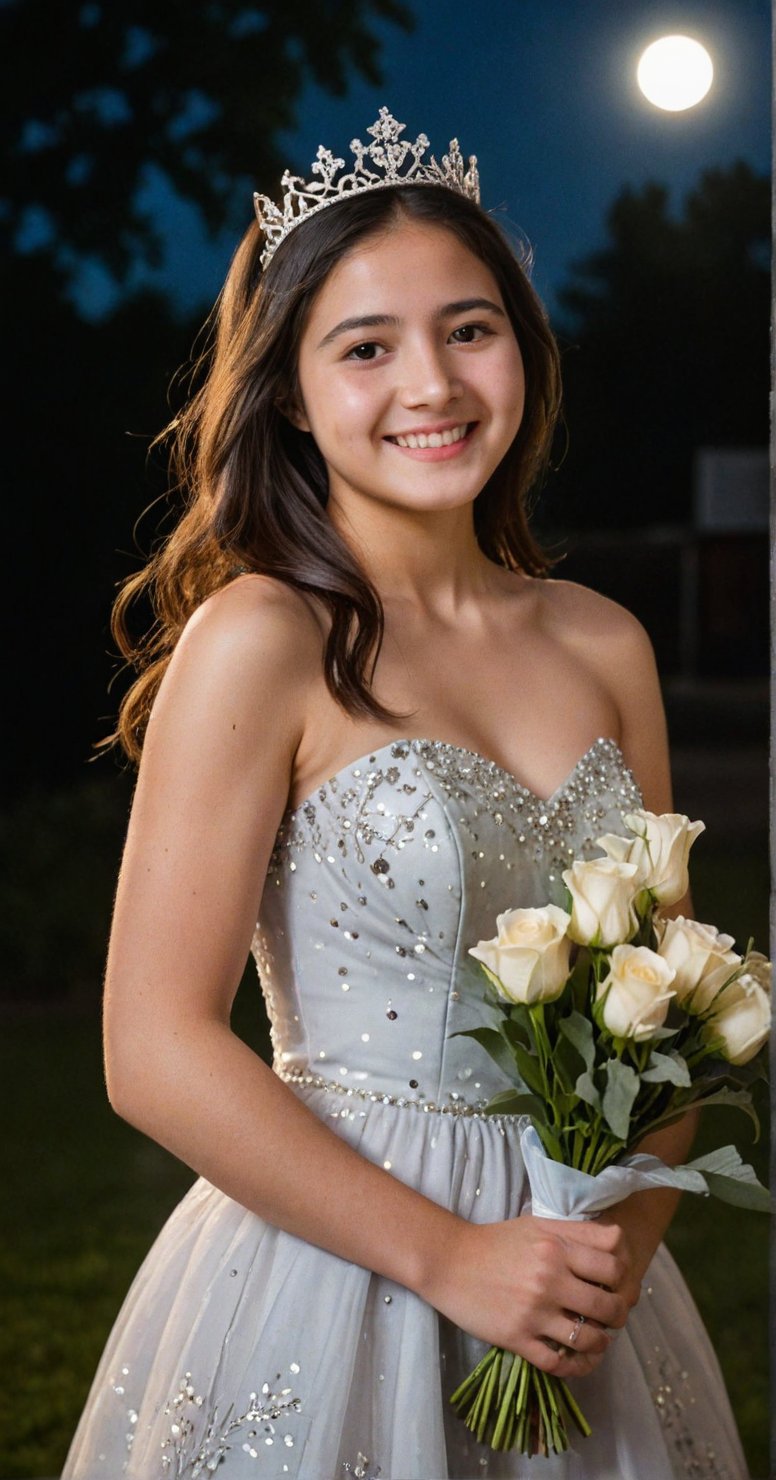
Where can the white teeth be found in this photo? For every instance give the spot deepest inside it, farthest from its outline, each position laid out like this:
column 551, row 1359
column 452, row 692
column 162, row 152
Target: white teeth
column 433, row 439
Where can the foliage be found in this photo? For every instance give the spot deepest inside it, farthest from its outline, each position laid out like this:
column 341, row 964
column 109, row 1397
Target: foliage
column 200, row 90
column 654, row 1017
column 666, row 335
column 101, row 89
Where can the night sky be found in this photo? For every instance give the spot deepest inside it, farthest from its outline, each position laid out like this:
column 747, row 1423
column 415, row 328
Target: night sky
column 545, row 95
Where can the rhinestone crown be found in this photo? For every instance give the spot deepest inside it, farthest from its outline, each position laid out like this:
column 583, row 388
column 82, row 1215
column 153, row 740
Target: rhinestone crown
column 390, row 160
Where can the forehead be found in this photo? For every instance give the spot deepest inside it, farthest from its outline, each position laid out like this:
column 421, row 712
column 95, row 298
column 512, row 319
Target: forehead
column 408, row 268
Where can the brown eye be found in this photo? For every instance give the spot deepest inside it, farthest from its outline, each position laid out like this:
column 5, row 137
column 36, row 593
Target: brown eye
column 471, row 330
column 363, row 351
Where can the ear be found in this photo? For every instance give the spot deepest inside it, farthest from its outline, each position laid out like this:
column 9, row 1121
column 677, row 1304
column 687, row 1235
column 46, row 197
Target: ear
column 294, row 412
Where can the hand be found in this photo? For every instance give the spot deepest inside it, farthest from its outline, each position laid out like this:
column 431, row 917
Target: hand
column 522, row 1284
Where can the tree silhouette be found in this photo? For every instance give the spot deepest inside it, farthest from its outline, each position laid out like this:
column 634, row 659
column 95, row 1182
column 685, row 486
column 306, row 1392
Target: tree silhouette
column 95, row 92
column 666, row 334
column 100, row 89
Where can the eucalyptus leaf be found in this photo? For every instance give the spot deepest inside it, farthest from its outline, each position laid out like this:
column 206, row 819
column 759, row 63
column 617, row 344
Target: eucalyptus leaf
column 586, row 1090
column 579, row 1031
column 732, row 1180
column 668, row 1068
column 622, row 1087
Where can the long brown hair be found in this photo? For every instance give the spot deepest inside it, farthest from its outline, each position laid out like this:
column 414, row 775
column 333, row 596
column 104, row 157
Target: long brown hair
column 256, row 487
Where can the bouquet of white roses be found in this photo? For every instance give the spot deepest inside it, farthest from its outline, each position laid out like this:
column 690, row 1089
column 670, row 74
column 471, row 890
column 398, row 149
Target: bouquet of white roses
column 614, row 1021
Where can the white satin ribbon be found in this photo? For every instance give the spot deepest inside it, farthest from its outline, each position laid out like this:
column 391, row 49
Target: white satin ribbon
column 558, row 1191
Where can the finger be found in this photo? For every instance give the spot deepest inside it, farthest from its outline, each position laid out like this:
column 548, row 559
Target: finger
column 595, row 1266
column 558, row 1360
column 579, row 1337
column 606, row 1307
column 590, row 1233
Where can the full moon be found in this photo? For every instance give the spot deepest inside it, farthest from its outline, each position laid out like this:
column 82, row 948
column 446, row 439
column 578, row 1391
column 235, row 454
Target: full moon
column 675, row 72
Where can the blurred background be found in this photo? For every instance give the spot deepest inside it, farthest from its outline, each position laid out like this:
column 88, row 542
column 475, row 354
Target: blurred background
column 133, row 137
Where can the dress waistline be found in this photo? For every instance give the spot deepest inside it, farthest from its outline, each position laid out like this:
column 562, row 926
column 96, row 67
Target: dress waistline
column 456, row 1105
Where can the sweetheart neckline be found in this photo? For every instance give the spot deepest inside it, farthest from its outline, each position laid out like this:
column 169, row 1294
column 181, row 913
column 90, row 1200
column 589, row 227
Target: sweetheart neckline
column 416, row 741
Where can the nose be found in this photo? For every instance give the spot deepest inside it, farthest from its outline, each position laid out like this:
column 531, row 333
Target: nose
column 427, row 376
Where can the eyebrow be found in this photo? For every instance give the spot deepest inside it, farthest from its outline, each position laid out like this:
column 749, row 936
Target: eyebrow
column 381, row 320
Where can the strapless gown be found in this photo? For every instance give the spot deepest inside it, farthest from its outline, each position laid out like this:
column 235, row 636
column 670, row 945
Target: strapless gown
column 243, row 1350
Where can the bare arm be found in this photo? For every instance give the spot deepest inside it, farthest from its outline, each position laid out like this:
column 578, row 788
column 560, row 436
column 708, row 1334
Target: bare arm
column 211, row 791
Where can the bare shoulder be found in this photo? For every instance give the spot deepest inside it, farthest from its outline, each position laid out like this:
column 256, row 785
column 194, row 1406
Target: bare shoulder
column 613, row 647
column 604, row 632
column 261, row 618
column 245, row 657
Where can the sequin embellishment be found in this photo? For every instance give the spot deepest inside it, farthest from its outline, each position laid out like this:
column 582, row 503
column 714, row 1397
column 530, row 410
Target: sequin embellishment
column 198, row 1442
column 456, row 1106
column 362, row 1468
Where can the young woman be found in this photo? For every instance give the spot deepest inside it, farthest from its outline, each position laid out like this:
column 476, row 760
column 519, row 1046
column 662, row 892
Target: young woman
column 370, row 723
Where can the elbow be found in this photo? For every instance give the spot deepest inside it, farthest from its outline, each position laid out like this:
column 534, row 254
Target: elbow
column 121, row 1088
column 130, row 1073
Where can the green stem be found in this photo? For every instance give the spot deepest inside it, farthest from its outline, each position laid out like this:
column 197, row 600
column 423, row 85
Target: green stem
column 488, row 1392
column 500, row 1439
column 467, row 1387
column 575, row 1411
column 538, row 1387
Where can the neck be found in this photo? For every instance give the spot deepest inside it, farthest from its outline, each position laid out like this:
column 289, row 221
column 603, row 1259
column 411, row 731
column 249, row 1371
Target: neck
column 430, row 560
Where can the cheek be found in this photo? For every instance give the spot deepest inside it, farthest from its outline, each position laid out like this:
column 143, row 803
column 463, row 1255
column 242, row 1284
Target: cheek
column 347, row 411
column 514, row 377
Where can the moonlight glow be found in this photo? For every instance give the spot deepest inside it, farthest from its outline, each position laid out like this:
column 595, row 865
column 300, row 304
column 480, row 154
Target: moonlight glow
column 675, row 73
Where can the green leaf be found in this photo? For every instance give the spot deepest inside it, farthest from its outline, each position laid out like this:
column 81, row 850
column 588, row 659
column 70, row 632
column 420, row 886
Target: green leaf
column 738, row 1099
column 493, row 1042
column 511, row 1102
column 732, row 1180
column 740, row 1192
column 579, row 1031
column 550, row 1143
column 586, row 1089
column 530, row 1069
column 670, row 1068
column 518, row 1026
column 622, row 1087
column 567, row 1063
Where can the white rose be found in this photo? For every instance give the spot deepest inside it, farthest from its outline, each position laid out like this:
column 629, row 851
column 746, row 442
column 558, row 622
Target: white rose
column 530, row 954
column 602, row 895
column 660, row 851
column 701, row 957
column 636, row 993
column 742, row 1021
column 758, row 966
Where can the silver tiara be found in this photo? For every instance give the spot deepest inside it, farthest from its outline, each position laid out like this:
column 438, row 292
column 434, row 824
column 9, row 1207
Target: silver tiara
column 388, row 161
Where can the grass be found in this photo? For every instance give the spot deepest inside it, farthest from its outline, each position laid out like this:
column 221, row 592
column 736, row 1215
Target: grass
column 90, row 1194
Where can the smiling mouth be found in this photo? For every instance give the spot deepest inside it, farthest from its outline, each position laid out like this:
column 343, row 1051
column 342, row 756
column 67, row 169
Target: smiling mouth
column 434, row 439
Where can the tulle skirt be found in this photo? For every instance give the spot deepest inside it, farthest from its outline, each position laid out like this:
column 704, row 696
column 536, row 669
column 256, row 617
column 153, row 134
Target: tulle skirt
column 243, row 1350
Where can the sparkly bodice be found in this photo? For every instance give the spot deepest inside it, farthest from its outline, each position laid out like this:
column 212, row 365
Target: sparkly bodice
column 379, row 883
column 243, row 1348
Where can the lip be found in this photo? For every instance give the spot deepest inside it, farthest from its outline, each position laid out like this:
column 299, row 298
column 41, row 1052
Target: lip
column 425, row 431
column 435, row 454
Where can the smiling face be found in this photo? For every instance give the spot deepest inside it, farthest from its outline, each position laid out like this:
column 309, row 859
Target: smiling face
column 410, row 376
